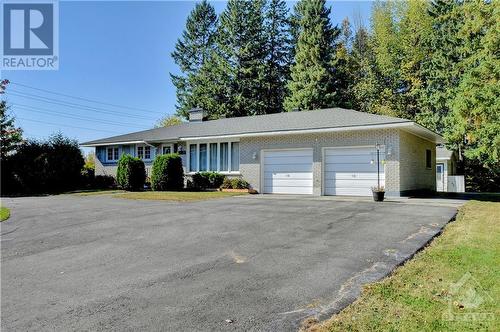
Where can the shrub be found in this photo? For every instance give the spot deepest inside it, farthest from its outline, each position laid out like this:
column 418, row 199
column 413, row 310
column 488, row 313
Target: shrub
column 207, row 180
column 167, row 172
column 131, row 173
column 235, row 183
column 104, row 182
column 49, row 166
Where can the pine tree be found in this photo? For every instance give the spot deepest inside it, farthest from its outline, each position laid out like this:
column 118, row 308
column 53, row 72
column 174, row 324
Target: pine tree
column 11, row 136
column 238, row 65
column 191, row 52
column 312, row 85
column 277, row 54
column 343, row 67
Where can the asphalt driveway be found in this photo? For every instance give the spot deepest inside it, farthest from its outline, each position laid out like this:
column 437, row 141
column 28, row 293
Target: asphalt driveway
column 241, row 263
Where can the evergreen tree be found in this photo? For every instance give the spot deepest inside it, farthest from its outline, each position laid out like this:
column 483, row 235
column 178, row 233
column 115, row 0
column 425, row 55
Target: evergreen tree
column 10, row 135
column 343, row 67
column 312, row 85
column 239, row 63
column 440, row 68
column 191, row 52
column 277, row 54
column 473, row 124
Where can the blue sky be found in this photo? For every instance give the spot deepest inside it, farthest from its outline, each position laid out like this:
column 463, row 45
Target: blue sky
column 115, row 52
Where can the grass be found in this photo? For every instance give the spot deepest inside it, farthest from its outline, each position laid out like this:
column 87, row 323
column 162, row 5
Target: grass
column 176, row 196
column 4, row 213
column 97, row 192
column 416, row 297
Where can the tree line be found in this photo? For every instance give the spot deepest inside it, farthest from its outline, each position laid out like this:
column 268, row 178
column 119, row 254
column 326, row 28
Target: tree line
column 435, row 62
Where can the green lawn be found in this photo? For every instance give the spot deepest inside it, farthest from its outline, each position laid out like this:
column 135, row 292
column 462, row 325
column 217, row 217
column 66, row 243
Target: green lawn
column 176, row 196
column 419, row 297
column 4, row 213
column 97, row 192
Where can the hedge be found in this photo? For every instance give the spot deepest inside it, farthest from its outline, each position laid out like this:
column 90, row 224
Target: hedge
column 207, row 180
column 167, row 173
column 131, row 173
column 235, row 183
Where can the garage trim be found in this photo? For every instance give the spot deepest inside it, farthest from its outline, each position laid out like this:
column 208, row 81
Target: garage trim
column 323, row 149
column 262, row 159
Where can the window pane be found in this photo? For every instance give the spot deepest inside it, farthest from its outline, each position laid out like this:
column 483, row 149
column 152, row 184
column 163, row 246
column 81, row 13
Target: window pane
column 428, row 159
column 116, row 156
column 166, row 150
column 140, row 152
column 235, row 156
column 110, row 154
column 192, row 157
column 147, row 152
column 224, row 157
column 203, row 157
column 213, row 157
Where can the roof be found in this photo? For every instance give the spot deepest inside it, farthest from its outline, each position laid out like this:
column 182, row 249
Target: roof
column 443, row 153
column 287, row 122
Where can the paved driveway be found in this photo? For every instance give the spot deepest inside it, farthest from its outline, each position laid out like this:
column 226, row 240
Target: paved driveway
column 101, row 263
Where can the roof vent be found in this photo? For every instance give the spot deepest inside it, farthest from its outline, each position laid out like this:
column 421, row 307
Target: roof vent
column 196, row 114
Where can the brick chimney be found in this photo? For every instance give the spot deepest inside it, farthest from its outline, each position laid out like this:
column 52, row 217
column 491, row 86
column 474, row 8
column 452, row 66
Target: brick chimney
column 196, row 114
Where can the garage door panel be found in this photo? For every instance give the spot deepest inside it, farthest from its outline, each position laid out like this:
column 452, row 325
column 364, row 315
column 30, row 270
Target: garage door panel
column 288, row 190
column 287, row 160
column 288, row 171
column 349, row 191
column 290, row 168
column 351, row 171
column 349, row 175
column 289, row 175
column 368, row 168
column 355, row 158
column 288, row 153
column 353, row 183
column 289, row 183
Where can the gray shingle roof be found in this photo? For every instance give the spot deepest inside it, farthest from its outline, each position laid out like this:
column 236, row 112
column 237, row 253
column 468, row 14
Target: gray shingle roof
column 288, row 121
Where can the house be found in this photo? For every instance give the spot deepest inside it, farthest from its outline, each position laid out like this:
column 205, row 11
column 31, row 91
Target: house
column 447, row 178
column 321, row 152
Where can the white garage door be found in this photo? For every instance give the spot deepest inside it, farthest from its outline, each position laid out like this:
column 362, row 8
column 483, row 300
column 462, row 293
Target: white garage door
column 288, row 171
column 352, row 171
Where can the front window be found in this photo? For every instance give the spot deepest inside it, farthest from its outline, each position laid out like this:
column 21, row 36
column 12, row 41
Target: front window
column 147, row 152
column 113, row 154
column 193, row 152
column 428, row 159
column 140, row 152
column 203, row 157
column 167, row 150
column 215, row 157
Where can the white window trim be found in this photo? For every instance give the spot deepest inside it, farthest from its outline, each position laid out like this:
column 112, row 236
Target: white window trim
column 113, row 153
column 197, row 143
column 151, row 149
column 165, row 146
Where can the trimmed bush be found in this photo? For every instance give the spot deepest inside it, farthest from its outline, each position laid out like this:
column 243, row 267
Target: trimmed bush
column 235, row 183
column 207, row 180
column 131, row 173
column 167, row 173
column 104, row 182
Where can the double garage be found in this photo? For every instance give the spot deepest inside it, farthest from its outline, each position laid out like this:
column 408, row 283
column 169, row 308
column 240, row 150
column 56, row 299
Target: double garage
column 349, row 171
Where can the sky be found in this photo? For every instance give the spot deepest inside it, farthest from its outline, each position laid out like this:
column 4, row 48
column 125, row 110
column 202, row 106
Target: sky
column 114, row 57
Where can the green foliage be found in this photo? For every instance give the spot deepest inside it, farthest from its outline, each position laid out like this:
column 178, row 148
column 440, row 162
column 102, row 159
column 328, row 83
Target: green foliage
column 49, row 166
column 167, row 172
column 169, row 120
column 207, row 180
column 131, row 173
column 10, row 135
column 235, row 183
column 312, row 82
column 190, row 54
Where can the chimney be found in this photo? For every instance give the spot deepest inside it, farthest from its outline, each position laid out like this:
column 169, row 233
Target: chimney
column 196, row 114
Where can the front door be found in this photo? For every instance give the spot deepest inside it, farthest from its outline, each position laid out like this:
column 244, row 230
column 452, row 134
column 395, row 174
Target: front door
column 440, row 177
